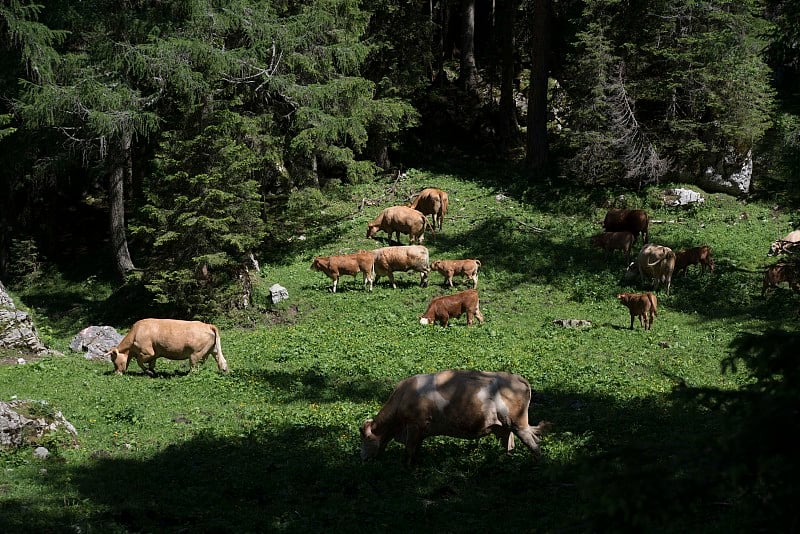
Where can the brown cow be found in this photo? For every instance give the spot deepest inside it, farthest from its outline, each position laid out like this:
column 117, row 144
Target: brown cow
column 455, row 403
column 389, row 260
column 697, row 255
column 149, row 339
column 450, row 268
column 642, row 305
column 441, row 309
column 633, row 221
column 400, row 220
column 784, row 245
column 779, row 273
column 610, row 241
column 656, row 262
column 432, row 202
column 335, row 266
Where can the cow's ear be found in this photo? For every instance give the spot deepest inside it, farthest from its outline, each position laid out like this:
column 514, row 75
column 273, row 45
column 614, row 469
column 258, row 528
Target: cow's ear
column 366, row 428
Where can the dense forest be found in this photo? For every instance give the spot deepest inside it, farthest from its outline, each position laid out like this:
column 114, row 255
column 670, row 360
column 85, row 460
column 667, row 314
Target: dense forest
column 174, row 142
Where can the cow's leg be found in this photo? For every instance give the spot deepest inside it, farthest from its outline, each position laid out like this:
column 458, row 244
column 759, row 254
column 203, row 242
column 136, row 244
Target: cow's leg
column 413, row 439
column 450, row 280
column 506, row 438
column 391, row 279
column 469, row 318
column 478, row 314
column 530, row 438
column 633, row 318
column 335, row 281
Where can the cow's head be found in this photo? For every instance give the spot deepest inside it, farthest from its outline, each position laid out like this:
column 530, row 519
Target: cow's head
column 372, row 230
column 316, row 265
column 632, row 271
column 119, row 360
column 424, row 320
column 370, row 443
column 775, row 248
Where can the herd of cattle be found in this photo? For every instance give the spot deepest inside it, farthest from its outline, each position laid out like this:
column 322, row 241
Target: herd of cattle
column 456, row 403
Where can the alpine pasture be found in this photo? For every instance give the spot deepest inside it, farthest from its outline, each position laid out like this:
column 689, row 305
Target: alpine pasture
column 274, row 445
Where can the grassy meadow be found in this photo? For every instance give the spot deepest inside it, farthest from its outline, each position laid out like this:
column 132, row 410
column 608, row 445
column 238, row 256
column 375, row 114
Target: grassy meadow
column 273, row 446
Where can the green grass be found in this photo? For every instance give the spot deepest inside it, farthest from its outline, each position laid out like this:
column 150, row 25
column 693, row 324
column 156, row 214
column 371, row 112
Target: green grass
column 273, row 446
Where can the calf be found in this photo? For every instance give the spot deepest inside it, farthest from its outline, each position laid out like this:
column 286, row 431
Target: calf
column 432, row 202
column 450, row 268
column 441, row 309
column 694, row 256
column 784, row 245
column 389, row 260
column 149, row 339
column 641, row 305
column 610, row 241
column 633, row 221
column 779, row 273
column 460, row 404
column 335, row 266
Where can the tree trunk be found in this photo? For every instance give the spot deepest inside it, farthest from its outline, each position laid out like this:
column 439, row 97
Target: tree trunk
column 536, row 147
column 507, row 127
column 116, row 200
column 468, row 75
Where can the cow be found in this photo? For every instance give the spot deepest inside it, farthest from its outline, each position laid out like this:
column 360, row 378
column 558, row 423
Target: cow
column 779, row 273
column 694, row 256
column 400, row 220
column 335, row 266
column 641, row 305
column 441, row 309
column 784, row 245
column 610, row 241
column 633, row 221
column 656, row 262
column 460, row 404
column 432, row 202
column 149, row 339
column 389, row 260
column 450, row 268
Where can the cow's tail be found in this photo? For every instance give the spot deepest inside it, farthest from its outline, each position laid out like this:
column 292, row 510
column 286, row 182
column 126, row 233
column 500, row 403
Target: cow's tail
column 221, row 362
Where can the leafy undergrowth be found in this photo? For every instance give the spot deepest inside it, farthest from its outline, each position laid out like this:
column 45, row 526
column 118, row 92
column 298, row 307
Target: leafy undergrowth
column 273, row 446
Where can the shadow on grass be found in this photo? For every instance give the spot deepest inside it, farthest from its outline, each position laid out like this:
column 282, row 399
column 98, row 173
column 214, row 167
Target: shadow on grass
column 308, row 477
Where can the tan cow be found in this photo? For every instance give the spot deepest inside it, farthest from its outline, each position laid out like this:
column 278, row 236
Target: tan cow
column 432, row 202
column 656, row 262
column 460, row 404
column 149, row 339
column 694, row 256
column 610, row 241
column 780, row 273
column 352, row 264
column 633, row 221
column 441, row 309
column 389, row 260
column 641, row 305
column 784, row 245
column 400, row 220
column 450, row 268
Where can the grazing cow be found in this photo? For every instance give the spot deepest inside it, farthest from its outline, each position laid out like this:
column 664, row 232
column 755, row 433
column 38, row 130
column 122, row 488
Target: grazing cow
column 335, row 266
column 633, row 221
column 432, row 202
column 459, row 404
column 389, row 260
column 642, row 305
column 400, row 220
column 656, row 262
column 778, row 273
column 441, row 309
column 784, row 245
column 694, row 256
column 610, row 241
column 149, row 339
column 450, row 268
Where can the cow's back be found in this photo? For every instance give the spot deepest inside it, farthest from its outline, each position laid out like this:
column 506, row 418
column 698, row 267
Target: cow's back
column 172, row 336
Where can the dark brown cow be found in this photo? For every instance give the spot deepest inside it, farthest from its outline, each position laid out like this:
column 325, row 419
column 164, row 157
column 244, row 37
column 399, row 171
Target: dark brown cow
column 432, row 202
column 441, row 309
column 347, row 264
column 400, row 220
column 698, row 255
column 149, row 339
column 780, row 273
column 641, row 305
column 633, row 221
column 450, row 268
column 460, row 404
column 610, row 241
